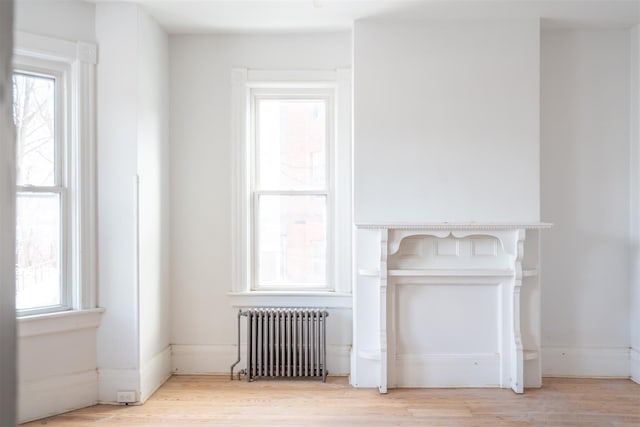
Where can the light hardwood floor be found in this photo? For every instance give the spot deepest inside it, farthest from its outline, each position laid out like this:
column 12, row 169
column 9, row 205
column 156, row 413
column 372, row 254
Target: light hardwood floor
column 217, row 401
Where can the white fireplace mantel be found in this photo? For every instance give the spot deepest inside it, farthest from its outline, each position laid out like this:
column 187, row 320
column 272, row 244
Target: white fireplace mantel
column 410, row 260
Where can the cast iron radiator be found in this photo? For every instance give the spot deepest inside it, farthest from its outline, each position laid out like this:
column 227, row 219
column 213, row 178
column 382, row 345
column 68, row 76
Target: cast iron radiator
column 284, row 342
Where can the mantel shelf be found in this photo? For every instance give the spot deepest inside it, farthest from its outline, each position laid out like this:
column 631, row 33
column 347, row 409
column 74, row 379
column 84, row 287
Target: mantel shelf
column 456, row 225
column 372, row 272
column 451, row 273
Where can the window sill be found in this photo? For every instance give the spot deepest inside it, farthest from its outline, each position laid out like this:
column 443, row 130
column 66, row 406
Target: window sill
column 290, row 299
column 51, row 323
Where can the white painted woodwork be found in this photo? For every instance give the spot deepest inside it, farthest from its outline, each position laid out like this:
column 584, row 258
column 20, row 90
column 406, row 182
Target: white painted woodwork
column 337, row 84
column 453, row 309
column 76, row 63
column 8, row 395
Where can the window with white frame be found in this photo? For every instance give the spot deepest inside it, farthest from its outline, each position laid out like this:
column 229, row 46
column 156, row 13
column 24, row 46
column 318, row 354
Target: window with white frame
column 292, row 134
column 52, row 112
column 292, row 206
column 42, row 244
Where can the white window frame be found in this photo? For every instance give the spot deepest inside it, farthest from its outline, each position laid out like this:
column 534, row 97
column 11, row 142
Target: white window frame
column 328, row 96
column 73, row 65
column 60, row 73
column 336, row 84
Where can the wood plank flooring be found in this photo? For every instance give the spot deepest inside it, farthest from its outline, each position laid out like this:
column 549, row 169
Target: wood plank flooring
column 217, row 401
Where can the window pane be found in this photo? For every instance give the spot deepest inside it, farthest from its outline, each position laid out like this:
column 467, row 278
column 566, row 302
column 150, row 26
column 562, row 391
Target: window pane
column 291, row 144
column 37, row 250
column 292, row 240
column 34, row 116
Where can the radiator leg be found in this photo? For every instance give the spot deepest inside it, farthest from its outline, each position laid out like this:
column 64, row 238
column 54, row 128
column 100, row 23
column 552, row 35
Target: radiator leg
column 250, row 354
column 324, row 347
column 237, row 361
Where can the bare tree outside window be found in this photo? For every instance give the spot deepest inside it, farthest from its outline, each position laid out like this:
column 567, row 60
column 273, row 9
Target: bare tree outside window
column 39, row 192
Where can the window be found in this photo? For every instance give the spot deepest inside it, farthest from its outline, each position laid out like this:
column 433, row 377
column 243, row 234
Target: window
column 292, row 187
column 55, row 224
column 41, row 199
column 292, row 193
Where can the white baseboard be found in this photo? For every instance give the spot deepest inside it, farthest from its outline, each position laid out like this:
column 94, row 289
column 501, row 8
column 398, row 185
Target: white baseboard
column 111, row 381
column 154, row 373
column 635, row 364
column 202, row 359
column 56, row 395
column 448, row 370
column 585, row 362
column 339, row 359
column 217, row 359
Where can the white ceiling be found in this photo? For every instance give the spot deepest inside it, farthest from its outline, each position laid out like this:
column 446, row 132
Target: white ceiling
column 204, row 16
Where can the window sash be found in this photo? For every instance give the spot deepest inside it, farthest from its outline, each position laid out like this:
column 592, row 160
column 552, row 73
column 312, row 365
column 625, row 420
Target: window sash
column 59, row 260
column 327, row 96
column 59, row 72
column 314, row 96
column 259, row 284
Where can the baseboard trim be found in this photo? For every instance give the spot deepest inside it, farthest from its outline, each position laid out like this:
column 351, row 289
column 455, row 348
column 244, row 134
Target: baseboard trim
column 55, row 395
column 217, row 359
column 111, row 381
column 154, row 373
column 612, row 362
column 635, row 365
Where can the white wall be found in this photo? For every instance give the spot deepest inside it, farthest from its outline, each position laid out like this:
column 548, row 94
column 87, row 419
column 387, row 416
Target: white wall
column 153, row 228
column 585, row 193
column 446, row 118
column 7, row 224
column 66, row 19
column 635, row 204
column 133, row 339
column 117, row 89
column 203, row 320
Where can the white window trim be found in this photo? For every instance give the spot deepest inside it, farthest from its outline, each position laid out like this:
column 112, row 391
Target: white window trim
column 78, row 59
column 243, row 80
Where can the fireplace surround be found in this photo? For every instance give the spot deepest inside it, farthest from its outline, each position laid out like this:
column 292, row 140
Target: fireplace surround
column 447, row 305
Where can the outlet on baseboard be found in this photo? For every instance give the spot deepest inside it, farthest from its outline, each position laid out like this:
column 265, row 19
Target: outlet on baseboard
column 126, row 397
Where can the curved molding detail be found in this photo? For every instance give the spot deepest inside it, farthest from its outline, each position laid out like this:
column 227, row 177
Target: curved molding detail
column 397, row 236
column 504, row 236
